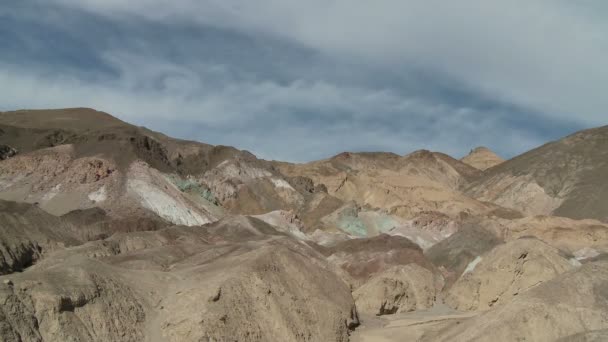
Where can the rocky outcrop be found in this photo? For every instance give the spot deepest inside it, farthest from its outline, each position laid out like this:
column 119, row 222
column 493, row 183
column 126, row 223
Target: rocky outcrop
column 6, row 152
column 575, row 302
column 454, row 254
column 398, row 289
column 27, row 232
column 75, row 301
column 362, row 259
column 275, row 295
column 505, row 273
column 211, row 283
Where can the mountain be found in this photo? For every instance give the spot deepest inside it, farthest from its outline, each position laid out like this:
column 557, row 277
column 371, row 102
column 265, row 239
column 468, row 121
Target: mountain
column 80, row 158
column 482, row 158
column 114, row 232
column 566, row 178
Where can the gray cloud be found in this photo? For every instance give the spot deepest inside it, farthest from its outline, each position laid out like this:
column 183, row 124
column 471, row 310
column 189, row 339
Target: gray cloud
column 303, row 80
column 528, row 52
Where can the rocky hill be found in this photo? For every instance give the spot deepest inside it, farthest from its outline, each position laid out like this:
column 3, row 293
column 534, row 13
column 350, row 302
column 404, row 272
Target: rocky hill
column 564, row 178
column 482, row 158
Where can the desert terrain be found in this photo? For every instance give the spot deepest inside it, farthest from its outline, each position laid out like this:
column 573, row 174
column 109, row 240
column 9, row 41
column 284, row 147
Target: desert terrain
column 114, row 232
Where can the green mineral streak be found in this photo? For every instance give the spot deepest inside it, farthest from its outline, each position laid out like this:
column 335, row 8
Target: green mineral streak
column 386, row 223
column 190, row 186
column 352, row 225
column 208, row 195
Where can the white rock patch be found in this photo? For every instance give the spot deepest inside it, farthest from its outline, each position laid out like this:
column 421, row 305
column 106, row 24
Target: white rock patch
column 49, row 195
column 471, row 266
column 6, row 183
column 423, row 243
column 164, row 205
column 98, row 196
column 586, row 253
column 280, row 183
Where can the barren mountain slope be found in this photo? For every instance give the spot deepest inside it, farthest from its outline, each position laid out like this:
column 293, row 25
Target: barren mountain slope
column 80, row 158
column 565, row 178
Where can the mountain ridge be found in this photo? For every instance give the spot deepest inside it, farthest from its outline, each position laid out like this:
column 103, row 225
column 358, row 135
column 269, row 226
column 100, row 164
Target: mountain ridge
column 186, row 241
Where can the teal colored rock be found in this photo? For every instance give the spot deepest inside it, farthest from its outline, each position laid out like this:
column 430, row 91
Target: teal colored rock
column 352, row 225
column 192, row 187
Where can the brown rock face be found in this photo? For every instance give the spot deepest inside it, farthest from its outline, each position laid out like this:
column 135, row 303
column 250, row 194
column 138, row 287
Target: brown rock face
column 398, row 289
column 27, row 232
column 506, row 272
column 77, row 301
column 362, row 259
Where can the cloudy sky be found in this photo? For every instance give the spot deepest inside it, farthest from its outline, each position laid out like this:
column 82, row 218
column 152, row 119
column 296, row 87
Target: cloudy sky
column 302, row 80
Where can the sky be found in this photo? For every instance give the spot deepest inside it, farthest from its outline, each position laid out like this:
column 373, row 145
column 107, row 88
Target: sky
column 304, row 80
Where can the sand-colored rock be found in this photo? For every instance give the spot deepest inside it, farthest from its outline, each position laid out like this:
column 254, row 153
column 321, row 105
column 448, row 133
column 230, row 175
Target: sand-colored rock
column 404, row 186
column 398, row 289
column 289, row 298
column 572, row 303
column 571, row 236
column 482, row 158
column 590, row 336
column 506, row 272
column 180, row 284
column 77, row 300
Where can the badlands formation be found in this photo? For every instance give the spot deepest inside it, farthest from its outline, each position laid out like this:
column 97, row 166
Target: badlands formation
column 112, row 232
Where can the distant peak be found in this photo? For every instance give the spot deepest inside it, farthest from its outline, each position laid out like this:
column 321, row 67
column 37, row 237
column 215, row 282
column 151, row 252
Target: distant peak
column 479, row 149
column 420, row 153
column 482, row 158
